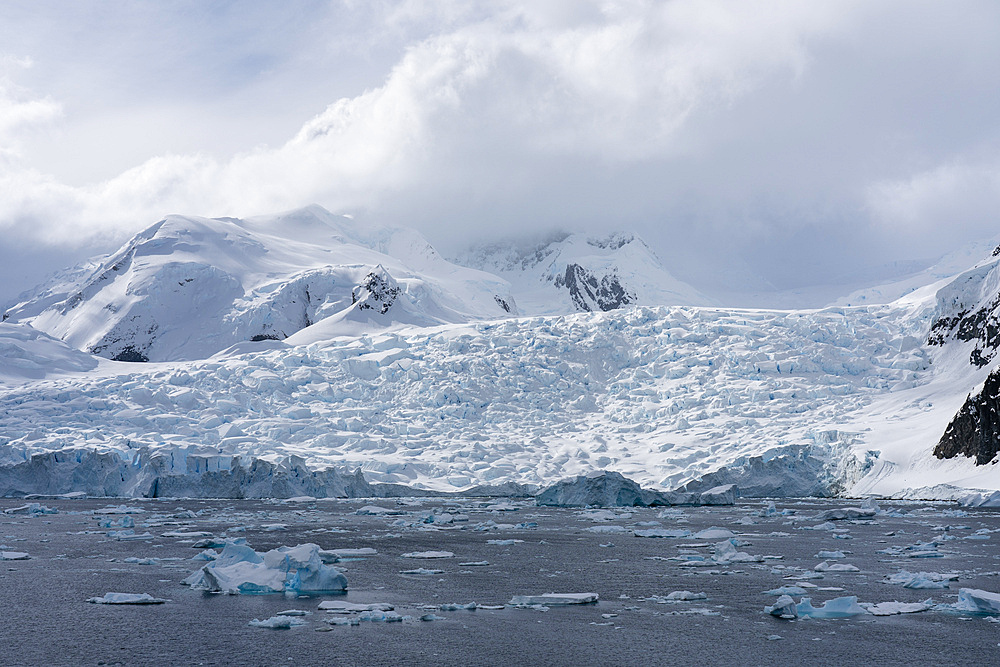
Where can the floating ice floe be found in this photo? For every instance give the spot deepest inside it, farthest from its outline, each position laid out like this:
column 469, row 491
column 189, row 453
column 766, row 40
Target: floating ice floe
column 894, row 608
column 826, row 566
column 428, row 554
column 714, row 533
column 127, row 598
column 422, row 571
column 831, row 555
column 240, row 569
column 503, row 543
column 725, row 553
column 14, row 555
column 662, row 532
column 552, row 599
column 31, row 509
column 277, row 623
column 786, row 590
column 454, row 606
column 842, row 513
column 685, row 596
column 335, row 555
column 921, row 580
column 343, row 607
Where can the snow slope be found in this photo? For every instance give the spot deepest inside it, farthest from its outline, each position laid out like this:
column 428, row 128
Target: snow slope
column 579, row 273
column 188, row 287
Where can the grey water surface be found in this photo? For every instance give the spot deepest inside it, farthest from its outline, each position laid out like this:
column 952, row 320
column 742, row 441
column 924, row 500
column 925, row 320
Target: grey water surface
column 47, row 621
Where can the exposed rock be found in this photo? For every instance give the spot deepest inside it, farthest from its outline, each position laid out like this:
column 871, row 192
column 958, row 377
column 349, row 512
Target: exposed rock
column 975, row 430
column 590, row 292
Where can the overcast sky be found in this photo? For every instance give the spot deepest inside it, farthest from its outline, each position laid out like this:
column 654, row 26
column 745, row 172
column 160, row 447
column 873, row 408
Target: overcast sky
column 798, row 141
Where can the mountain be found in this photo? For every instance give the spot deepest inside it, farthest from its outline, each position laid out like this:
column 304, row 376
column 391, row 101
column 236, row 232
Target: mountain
column 579, row 273
column 397, row 363
column 188, row 287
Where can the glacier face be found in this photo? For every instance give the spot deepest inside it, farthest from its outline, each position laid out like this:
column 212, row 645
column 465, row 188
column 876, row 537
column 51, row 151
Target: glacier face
column 188, row 287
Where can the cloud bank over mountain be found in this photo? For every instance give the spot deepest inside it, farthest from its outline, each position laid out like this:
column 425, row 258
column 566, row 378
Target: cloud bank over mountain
column 780, row 140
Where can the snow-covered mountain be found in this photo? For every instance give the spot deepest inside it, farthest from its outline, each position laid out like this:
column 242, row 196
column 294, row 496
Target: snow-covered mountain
column 843, row 400
column 579, row 273
column 188, row 287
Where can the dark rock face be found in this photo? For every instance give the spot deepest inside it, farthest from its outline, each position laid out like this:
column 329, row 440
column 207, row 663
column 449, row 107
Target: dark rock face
column 975, row 430
column 981, row 325
column 381, row 290
column 591, row 293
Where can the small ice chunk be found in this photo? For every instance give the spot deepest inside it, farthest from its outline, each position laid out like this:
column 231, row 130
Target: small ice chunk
column 453, row 606
column 277, row 623
column 432, row 617
column 831, row 555
column 844, row 607
column 553, row 599
column 127, row 598
column 663, row 532
column 500, row 543
column 685, row 596
column 14, row 555
column 428, row 554
column 421, row 571
column 476, row 563
column 294, row 612
column 786, row 590
column 783, row 607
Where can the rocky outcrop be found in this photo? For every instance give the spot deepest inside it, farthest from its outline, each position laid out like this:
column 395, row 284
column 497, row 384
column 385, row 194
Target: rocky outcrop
column 590, row 292
column 975, row 430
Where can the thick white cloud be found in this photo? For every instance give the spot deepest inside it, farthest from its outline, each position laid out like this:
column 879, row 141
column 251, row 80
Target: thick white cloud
column 794, row 136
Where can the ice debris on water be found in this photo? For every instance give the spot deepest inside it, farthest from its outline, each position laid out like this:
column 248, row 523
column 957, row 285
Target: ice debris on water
column 127, row 598
column 277, row 623
column 714, row 533
column 31, row 509
column 240, row 569
column 786, row 590
column 14, row 555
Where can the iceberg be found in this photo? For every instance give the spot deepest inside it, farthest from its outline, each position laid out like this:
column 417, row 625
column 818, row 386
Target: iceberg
column 844, row 607
column 977, row 601
column 240, row 569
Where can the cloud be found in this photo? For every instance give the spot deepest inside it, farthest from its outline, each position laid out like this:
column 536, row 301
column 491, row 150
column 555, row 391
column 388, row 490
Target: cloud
column 786, row 134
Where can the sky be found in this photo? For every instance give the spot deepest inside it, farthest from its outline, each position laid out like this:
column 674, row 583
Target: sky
column 752, row 144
